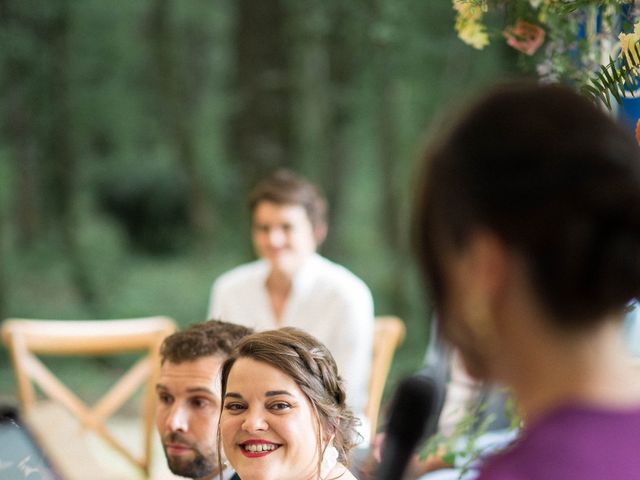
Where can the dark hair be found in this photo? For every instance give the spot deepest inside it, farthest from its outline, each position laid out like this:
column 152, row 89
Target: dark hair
column 554, row 177
column 313, row 368
column 283, row 187
column 213, row 337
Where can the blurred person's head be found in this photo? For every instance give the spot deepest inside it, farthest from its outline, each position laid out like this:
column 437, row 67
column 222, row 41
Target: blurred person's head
column 284, row 408
column 529, row 203
column 188, row 392
column 288, row 219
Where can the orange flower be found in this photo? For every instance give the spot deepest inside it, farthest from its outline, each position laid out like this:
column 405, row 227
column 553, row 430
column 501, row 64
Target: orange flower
column 638, row 131
column 524, row 37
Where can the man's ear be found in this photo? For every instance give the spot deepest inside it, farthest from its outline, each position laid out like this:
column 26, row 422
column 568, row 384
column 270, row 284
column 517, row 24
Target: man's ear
column 490, row 272
column 489, row 257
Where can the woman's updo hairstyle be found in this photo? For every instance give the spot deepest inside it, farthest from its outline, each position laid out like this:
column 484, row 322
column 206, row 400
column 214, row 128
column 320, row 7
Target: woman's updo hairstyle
column 313, row 368
column 557, row 179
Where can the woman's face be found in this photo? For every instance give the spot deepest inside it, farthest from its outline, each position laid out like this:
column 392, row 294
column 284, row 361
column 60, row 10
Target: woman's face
column 268, row 428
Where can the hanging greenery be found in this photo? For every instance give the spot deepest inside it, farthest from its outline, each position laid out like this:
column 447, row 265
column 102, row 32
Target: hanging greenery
column 579, row 42
column 618, row 78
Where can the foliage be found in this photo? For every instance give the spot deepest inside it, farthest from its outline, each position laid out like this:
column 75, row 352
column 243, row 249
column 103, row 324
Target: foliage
column 618, row 78
column 159, row 106
column 460, row 447
column 562, row 41
column 461, row 444
column 150, row 201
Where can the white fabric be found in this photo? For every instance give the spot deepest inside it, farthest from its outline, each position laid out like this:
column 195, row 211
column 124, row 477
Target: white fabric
column 462, row 391
column 329, row 460
column 326, row 300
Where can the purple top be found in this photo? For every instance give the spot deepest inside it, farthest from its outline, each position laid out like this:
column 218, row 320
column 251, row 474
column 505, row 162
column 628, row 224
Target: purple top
column 573, row 443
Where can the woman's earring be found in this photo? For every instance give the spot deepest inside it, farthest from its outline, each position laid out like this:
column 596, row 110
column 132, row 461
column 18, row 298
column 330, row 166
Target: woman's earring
column 329, row 459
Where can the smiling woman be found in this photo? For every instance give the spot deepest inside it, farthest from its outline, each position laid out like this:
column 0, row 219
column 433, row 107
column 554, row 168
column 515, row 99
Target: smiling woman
column 284, row 414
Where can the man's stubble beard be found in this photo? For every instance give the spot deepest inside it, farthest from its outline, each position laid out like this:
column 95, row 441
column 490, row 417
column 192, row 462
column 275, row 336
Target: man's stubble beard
column 199, row 466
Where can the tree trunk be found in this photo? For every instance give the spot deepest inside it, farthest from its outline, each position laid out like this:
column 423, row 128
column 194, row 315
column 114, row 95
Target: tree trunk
column 342, row 68
column 63, row 162
column 3, row 283
column 392, row 221
column 27, row 211
column 179, row 101
column 19, row 127
column 311, row 67
column 261, row 138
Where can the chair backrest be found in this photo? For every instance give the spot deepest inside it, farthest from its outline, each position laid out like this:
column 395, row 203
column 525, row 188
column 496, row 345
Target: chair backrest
column 28, row 338
column 388, row 335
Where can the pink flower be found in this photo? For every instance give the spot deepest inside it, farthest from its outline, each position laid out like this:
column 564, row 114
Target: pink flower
column 524, row 37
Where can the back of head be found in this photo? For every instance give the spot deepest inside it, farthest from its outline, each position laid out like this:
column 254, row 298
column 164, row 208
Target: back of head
column 283, row 187
column 557, row 179
column 312, row 367
column 205, row 339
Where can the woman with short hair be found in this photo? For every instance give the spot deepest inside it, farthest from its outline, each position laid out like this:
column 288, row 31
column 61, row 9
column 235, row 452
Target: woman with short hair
column 528, row 232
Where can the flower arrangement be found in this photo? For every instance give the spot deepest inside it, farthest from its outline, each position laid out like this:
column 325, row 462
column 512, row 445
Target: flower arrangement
column 580, row 42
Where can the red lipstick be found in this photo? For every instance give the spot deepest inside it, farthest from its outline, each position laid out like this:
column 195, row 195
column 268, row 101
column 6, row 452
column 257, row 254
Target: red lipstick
column 258, row 448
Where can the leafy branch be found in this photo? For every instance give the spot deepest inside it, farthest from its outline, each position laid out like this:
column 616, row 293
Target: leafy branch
column 461, row 447
column 565, row 7
column 617, row 79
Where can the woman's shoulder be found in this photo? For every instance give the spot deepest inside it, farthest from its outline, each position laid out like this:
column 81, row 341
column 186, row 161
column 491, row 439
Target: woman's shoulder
column 338, row 282
column 572, row 442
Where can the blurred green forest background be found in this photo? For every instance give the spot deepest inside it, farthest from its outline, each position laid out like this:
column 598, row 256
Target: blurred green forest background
column 131, row 131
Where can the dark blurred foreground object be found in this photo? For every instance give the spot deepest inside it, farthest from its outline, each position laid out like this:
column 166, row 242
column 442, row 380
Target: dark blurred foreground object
column 20, row 455
column 530, row 244
column 413, row 405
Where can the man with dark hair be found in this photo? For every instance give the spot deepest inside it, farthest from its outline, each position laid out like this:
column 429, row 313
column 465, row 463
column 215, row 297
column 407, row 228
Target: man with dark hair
column 189, row 400
column 291, row 285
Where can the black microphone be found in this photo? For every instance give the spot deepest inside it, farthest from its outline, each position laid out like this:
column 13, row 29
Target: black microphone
column 411, row 408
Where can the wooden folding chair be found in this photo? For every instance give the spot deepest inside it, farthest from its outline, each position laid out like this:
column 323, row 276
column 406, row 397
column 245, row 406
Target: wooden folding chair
column 27, row 338
column 388, row 335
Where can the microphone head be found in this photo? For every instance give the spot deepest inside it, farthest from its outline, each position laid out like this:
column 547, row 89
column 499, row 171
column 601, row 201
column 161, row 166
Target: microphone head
column 411, row 408
column 413, row 404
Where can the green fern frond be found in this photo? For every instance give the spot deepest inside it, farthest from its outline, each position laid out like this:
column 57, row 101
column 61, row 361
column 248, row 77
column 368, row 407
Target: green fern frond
column 566, row 7
column 596, row 94
column 618, row 78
